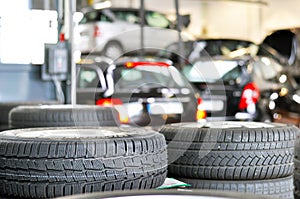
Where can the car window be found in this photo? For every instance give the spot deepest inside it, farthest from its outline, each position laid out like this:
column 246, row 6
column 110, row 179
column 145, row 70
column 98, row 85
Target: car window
column 156, row 19
column 129, row 16
column 213, row 71
column 217, row 47
column 94, row 16
column 88, row 78
column 271, row 71
column 172, row 51
column 265, row 69
column 145, row 76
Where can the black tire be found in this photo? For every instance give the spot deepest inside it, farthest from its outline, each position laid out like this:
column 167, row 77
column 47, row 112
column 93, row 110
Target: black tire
column 159, row 194
column 52, row 162
column 62, row 115
column 297, row 178
column 230, row 150
column 278, row 188
column 297, row 168
column 5, row 108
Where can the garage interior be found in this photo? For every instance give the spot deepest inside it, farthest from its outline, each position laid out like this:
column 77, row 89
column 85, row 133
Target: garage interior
column 52, row 145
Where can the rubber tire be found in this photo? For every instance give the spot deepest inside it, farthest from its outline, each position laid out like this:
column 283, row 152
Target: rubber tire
column 62, row 115
column 277, row 188
column 113, row 45
column 52, row 162
column 5, row 108
column 182, row 193
column 297, row 178
column 297, row 168
column 238, row 153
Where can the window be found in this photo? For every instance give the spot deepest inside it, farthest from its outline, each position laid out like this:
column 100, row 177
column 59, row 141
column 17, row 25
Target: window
column 94, row 16
column 148, row 76
column 156, row 19
column 129, row 16
column 265, row 69
column 88, row 78
column 220, row 47
column 212, row 71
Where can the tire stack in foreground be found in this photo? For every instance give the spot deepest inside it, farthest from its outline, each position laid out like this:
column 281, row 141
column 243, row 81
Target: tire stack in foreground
column 167, row 194
column 52, row 162
column 233, row 156
column 60, row 150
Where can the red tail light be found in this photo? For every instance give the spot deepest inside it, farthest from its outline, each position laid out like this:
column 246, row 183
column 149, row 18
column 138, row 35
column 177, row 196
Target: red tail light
column 97, row 32
column 109, row 101
column 135, row 64
column 201, row 113
column 62, row 37
column 249, row 96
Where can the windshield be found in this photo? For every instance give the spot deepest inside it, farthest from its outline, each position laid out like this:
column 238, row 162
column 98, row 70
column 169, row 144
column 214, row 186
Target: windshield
column 148, row 76
column 231, row 48
column 269, row 70
column 212, row 71
column 197, row 50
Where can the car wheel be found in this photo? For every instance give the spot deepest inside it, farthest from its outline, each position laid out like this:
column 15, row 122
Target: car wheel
column 230, row 150
column 278, row 188
column 52, row 162
column 113, row 50
column 62, row 115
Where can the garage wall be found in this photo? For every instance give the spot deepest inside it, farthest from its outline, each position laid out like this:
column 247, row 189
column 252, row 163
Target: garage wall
column 281, row 14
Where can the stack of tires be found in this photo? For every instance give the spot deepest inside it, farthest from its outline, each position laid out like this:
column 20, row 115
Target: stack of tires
column 297, row 168
column 74, row 150
column 246, row 157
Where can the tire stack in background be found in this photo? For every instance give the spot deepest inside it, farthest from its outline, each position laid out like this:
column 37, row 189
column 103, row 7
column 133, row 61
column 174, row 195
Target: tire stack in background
column 62, row 115
column 5, row 108
column 243, row 157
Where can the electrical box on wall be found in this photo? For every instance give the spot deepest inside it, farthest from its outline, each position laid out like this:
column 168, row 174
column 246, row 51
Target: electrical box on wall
column 56, row 62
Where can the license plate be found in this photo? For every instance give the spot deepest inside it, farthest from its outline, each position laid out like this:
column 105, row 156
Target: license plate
column 165, row 108
column 213, row 105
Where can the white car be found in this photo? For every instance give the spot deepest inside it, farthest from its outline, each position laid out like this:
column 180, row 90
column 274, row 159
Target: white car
column 115, row 31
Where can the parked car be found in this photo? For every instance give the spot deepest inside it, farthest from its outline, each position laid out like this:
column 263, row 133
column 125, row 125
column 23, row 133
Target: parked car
column 279, row 95
column 205, row 47
column 229, row 47
column 145, row 91
column 252, row 88
column 114, row 31
column 287, row 43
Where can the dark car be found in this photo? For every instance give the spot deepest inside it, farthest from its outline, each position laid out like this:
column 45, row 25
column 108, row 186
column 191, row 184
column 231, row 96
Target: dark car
column 252, row 88
column 228, row 47
column 208, row 47
column 144, row 91
column 284, row 108
column 287, row 43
